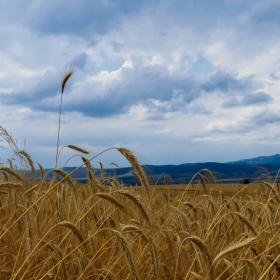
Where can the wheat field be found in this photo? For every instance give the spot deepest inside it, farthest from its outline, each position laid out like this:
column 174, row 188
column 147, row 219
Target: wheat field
column 61, row 229
column 105, row 230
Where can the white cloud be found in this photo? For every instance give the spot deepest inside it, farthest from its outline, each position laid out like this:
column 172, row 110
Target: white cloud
column 162, row 79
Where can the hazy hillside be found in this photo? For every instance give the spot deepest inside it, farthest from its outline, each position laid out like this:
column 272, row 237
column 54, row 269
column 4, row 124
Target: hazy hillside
column 237, row 171
column 275, row 159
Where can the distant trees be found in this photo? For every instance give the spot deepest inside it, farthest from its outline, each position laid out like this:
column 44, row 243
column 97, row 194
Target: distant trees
column 245, row 181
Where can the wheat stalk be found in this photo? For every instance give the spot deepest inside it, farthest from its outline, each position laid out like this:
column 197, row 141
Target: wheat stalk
column 66, row 77
column 29, row 227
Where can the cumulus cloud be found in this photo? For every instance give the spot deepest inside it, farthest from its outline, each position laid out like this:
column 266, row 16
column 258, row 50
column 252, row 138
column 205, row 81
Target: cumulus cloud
column 211, row 65
column 256, row 98
column 230, row 83
column 274, row 77
column 247, row 99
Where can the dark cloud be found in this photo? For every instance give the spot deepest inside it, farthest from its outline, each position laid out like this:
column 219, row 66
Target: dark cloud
column 151, row 86
column 78, row 17
column 274, row 77
column 227, row 83
column 255, row 98
column 34, row 90
column 267, row 117
column 136, row 87
column 268, row 13
column 247, row 100
column 230, row 102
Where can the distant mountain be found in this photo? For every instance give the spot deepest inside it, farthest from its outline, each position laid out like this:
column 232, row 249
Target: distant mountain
column 275, row 159
column 235, row 171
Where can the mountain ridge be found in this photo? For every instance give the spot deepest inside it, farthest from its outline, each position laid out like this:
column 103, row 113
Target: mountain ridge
column 236, row 171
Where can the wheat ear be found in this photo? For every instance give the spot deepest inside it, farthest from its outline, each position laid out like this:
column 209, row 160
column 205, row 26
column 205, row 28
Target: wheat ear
column 42, row 171
column 65, row 175
column 102, row 172
column 11, row 171
column 137, row 202
column 112, row 200
column 202, row 246
column 30, row 161
column 137, row 167
column 196, row 276
column 10, row 184
column 93, row 181
column 233, row 248
column 246, row 221
column 78, row 149
column 74, row 229
column 210, row 175
column 66, row 77
column 5, row 175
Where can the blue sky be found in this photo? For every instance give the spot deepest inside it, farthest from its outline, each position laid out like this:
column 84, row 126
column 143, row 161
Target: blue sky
column 174, row 80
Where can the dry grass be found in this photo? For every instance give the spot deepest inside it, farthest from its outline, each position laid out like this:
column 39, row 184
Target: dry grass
column 51, row 231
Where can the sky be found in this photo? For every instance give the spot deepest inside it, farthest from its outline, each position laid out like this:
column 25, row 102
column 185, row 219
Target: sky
column 175, row 81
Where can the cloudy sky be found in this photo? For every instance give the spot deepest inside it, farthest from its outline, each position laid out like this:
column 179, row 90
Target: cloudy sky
column 173, row 80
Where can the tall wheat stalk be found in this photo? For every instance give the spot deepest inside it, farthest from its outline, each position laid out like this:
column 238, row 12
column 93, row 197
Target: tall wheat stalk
column 66, row 77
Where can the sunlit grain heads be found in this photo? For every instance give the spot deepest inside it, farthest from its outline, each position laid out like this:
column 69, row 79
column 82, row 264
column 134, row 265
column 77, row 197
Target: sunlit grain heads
column 78, row 149
column 64, row 174
column 247, row 222
column 112, row 200
column 28, row 158
column 42, row 171
column 137, row 167
column 210, row 175
column 74, row 229
column 10, row 184
column 68, row 179
column 138, row 202
column 202, row 247
column 233, row 248
column 91, row 178
column 11, row 172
